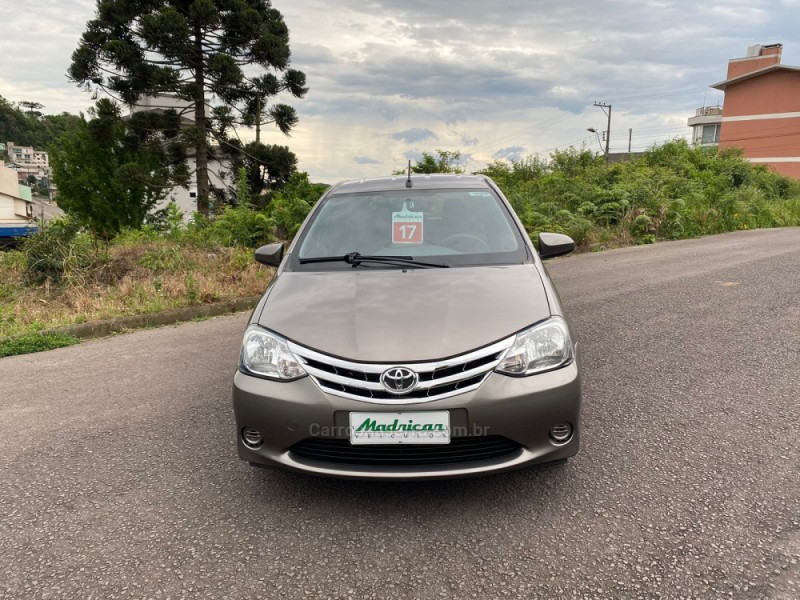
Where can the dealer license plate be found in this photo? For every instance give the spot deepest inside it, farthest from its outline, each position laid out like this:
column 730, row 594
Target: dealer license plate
column 428, row 427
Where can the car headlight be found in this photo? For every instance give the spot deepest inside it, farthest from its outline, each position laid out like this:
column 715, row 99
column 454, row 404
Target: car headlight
column 543, row 347
column 266, row 355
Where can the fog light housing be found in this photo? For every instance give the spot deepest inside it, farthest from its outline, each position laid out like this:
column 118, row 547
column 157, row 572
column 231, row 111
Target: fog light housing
column 252, row 437
column 561, row 433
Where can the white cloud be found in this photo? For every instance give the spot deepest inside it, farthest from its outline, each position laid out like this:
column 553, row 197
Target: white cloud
column 511, row 153
column 415, row 134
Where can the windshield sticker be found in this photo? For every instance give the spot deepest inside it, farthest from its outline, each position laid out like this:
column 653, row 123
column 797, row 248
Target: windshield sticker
column 479, row 194
column 407, row 227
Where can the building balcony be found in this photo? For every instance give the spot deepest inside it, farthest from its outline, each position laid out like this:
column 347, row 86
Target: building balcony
column 706, row 115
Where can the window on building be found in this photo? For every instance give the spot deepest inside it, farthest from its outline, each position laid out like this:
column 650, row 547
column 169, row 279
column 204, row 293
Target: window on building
column 710, row 134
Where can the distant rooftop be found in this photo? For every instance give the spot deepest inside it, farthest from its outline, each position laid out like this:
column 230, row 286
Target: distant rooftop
column 708, row 111
column 760, row 60
column 724, row 84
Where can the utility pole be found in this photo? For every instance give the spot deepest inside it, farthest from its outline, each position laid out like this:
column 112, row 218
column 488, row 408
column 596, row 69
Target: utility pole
column 630, row 135
column 603, row 106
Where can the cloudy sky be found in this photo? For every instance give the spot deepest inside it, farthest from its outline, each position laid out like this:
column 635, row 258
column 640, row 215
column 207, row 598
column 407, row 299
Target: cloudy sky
column 389, row 80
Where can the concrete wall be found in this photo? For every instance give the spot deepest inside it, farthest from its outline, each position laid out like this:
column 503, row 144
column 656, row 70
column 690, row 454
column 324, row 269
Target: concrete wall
column 741, row 66
column 13, row 206
column 9, row 183
column 13, row 210
column 7, row 212
column 186, row 199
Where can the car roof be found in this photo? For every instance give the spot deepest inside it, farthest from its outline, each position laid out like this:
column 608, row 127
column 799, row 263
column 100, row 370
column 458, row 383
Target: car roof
column 418, row 182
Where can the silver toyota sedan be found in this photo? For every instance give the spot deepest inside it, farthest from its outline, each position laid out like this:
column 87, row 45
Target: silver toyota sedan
column 411, row 332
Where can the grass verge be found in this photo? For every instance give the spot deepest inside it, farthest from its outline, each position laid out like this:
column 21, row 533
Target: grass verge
column 128, row 277
column 35, row 342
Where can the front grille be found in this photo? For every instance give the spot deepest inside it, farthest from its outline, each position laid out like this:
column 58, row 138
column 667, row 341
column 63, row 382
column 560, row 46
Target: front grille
column 459, row 450
column 436, row 380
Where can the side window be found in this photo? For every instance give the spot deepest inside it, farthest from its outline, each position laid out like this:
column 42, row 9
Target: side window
column 711, row 134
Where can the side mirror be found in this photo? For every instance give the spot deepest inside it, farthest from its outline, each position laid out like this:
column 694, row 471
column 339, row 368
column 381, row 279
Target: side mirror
column 271, row 254
column 554, row 244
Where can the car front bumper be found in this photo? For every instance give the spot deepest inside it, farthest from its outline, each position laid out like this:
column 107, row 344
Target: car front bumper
column 520, row 409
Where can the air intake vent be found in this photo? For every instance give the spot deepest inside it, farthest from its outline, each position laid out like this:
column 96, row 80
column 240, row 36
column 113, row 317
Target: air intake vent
column 459, row 450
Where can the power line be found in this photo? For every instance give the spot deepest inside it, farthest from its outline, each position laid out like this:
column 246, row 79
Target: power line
column 547, row 123
column 656, row 94
column 538, row 126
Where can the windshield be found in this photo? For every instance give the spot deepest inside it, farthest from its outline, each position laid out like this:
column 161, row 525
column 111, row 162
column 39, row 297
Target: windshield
column 457, row 227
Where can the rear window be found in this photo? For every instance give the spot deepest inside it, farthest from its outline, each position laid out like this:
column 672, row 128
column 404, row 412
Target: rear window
column 460, row 227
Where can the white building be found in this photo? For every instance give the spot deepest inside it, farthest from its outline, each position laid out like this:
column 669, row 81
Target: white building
column 706, row 124
column 218, row 171
column 26, row 161
column 16, row 207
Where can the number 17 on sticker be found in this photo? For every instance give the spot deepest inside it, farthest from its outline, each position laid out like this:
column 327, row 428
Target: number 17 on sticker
column 407, row 227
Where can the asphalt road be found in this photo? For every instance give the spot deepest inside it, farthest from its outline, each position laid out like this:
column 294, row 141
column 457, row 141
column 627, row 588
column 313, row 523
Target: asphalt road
column 42, row 209
column 119, row 479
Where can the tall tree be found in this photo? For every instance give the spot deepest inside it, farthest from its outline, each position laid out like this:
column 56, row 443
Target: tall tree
column 32, row 108
column 267, row 167
column 13, row 124
column 110, row 173
column 447, row 161
column 197, row 50
column 32, row 128
column 257, row 110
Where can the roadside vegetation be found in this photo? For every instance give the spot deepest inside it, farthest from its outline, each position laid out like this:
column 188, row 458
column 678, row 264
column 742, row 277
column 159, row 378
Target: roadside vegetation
column 35, row 342
column 73, row 271
column 61, row 277
column 66, row 275
column 673, row 191
column 116, row 253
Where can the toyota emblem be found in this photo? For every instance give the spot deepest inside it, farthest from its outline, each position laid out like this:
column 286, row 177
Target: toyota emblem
column 399, row 380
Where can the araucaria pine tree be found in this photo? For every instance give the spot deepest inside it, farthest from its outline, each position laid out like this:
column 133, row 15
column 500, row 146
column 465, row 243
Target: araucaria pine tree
column 227, row 58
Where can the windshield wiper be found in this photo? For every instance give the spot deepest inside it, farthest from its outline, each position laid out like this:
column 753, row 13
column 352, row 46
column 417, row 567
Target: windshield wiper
column 355, row 259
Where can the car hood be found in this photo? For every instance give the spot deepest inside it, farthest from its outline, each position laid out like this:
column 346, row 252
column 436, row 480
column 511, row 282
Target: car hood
column 393, row 315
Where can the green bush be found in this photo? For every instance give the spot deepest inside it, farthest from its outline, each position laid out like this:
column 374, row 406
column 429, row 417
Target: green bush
column 289, row 212
column 674, row 220
column 292, row 204
column 241, row 226
column 642, row 225
column 35, row 342
column 134, row 237
column 164, row 258
column 673, row 191
column 165, row 220
column 57, row 251
column 578, row 229
column 236, row 226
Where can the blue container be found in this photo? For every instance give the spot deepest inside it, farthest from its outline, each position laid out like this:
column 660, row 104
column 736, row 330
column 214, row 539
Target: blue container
column 15, row 231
